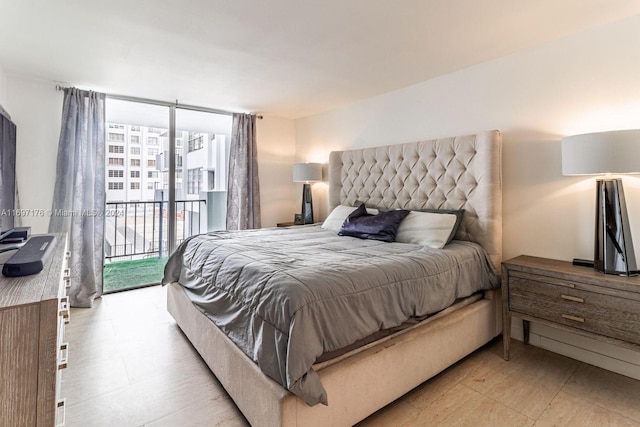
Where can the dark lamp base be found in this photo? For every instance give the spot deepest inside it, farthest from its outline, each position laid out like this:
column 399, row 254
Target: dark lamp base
column 613, row 246
column 307, row 204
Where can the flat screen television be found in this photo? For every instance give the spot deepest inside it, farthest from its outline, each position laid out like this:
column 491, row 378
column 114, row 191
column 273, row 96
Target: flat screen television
column 7, row 173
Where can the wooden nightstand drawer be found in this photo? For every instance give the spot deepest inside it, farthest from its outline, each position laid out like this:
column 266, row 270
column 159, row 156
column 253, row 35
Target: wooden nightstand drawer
column 614, row 317
column 576, row 299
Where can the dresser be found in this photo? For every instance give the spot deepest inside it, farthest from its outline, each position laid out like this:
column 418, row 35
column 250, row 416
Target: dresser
column 33, row 313
column 576, row 299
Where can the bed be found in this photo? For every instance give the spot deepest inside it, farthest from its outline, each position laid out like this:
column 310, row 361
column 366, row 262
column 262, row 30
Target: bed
column 448, row 173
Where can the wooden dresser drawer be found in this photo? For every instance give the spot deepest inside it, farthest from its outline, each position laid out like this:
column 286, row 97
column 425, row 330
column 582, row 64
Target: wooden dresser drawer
column 602, row 314
column 31, row 337
column 576, row 299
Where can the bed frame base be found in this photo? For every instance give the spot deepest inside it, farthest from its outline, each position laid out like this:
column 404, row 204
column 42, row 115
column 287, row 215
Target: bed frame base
column 357, row 386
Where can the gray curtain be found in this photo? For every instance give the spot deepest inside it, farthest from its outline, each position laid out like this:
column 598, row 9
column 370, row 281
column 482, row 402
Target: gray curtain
column 243, row 193
column 79, row 194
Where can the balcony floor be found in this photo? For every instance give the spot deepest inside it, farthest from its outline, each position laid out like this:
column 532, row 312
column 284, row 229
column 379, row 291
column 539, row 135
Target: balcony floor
column 125, row 275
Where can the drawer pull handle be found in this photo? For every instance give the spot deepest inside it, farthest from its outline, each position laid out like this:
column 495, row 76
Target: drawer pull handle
column 63, row 310
column 63, row 356
column 60, row 413
column 571, row 298
column 574, row 318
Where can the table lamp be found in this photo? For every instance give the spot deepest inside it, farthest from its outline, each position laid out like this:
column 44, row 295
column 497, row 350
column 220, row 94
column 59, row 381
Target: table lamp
column 615, row 152
column 307, row 173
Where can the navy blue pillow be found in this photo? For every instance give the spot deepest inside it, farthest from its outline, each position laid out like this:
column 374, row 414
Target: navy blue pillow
column 363, row 225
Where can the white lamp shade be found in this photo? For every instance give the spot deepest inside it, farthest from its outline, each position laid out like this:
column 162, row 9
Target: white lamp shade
column 307, row 172
column 602, row 152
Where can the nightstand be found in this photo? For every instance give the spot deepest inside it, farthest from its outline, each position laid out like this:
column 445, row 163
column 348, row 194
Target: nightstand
column 286, row 224
column 576, row 299
column 292, row 224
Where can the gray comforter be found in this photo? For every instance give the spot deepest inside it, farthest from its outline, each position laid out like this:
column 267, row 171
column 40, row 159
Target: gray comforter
column 286, row 296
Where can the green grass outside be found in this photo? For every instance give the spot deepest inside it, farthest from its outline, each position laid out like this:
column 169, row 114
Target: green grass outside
column 118, row 276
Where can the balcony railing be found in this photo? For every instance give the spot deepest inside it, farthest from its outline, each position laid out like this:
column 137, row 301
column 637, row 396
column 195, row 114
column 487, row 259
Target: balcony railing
column 139, row 229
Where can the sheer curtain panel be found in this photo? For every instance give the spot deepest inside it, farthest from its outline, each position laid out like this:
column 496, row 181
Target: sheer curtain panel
column 243, row 193
column 79, row 193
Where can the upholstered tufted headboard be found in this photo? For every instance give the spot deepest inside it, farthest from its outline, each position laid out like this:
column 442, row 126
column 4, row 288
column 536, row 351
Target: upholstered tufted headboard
column 463, row 172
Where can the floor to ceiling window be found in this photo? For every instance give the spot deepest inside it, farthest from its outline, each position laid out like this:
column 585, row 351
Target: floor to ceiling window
column 151, row 207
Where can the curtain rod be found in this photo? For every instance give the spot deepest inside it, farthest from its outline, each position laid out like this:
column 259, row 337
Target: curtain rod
column 163, row 103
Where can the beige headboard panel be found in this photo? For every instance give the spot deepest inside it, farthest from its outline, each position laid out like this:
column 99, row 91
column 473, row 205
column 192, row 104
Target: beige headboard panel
column 463, row 172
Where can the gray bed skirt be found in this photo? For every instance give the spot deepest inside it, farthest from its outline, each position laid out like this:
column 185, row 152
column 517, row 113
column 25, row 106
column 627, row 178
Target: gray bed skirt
column 357, row 385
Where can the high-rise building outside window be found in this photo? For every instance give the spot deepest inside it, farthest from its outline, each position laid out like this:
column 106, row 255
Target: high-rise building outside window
column 140, row 185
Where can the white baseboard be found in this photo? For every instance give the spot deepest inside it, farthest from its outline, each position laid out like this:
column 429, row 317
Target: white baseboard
column 597, row 353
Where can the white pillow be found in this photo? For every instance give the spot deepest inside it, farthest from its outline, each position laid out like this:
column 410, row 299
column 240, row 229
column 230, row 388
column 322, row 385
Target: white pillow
column 337, row 217
column 426, row 228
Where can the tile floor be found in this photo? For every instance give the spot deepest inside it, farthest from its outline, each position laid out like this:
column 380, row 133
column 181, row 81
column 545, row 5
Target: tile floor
column 129, row 365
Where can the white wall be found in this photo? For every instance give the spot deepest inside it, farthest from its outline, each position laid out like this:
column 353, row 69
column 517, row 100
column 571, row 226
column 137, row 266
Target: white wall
column 585, row 83
column 276, row 154
column 3, row 87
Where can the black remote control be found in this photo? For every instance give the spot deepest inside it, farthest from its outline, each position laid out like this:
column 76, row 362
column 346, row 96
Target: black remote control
column 583, row 262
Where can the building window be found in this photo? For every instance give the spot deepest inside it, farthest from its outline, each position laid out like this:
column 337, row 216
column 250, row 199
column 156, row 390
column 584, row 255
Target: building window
column 196, row 141
column 194, row 181
column 115, row 126
column 113, row 173
column 116, row 186
column 152, row 174
column 151, row 186
column 135, row 174
column 135, row 151
column 116, row 137
column 135, row 162
column 135, row 139
column 113, row 161
column 118, row 149
column 153, row 151
column 151, row 163
column 135, row 129
column 135, row 185
column 152, row 140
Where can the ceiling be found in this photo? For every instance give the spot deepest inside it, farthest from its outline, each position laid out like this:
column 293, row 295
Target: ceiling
column 288, row 58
